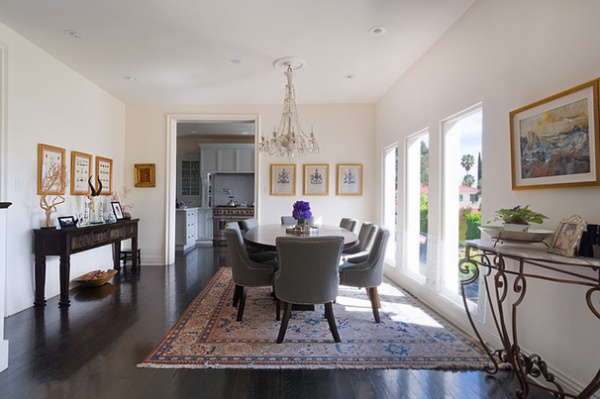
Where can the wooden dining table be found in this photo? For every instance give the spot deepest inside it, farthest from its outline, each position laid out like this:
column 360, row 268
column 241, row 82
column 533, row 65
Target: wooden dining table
column 265, row 235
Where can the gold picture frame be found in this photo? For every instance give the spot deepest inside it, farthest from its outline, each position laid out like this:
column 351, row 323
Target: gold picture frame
column 567, row 236
column 81, row 170
column 145, row 175
column 283, row 179
column 555, row 142
column 349, row 179
column 316, row 179
column 104, row 174
column 51, row 170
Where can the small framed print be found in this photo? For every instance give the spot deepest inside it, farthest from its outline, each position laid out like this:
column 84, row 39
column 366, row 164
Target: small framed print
column 104, row 174
column 67, row 222
column 51, row 170
column 316, row 179
column 81, row 170
column 116, row 206
column 283, row 179
column 145, row 175
column 349, row 179
column 567, row 236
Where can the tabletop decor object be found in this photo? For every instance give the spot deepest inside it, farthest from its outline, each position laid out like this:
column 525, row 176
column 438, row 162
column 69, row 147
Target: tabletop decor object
column 518, row 218
column 567, row 236
column 301, row 212
column 96, row 277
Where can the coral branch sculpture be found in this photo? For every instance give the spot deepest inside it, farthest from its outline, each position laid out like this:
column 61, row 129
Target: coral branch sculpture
column 55, row 177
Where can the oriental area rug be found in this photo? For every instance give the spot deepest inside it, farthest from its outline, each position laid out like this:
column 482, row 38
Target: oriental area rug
column 207, row 335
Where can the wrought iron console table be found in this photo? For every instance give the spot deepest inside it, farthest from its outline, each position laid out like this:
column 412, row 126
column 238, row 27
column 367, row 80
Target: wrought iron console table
column 504, row 296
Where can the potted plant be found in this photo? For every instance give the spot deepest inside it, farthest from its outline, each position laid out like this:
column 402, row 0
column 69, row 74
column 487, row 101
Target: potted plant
column 518, row 218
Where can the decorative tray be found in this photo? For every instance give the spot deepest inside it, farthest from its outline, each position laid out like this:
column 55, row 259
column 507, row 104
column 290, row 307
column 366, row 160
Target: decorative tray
column 531, row 235
column 96, row 277
column 302, row 230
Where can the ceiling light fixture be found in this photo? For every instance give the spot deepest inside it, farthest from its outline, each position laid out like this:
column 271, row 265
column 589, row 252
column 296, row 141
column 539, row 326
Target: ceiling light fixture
column 289, row 139
column 74, row 34
column 377, row 31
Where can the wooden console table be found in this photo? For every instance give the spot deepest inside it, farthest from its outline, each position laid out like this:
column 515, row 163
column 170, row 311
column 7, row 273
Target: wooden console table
column 506, row 288
column 64, row 242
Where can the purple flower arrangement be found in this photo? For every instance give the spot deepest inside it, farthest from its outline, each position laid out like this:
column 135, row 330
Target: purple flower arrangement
column 301, row 211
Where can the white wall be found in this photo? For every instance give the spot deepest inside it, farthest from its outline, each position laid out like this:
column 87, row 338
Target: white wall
column 507, row 54
column 345, row 134
column 51, row 104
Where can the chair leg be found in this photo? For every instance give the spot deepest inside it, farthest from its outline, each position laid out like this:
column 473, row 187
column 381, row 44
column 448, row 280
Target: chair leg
column 375, row 304
column 331, row 321
column 242, row 304
column 237, row 293
column 277, row 308
column 287, row 312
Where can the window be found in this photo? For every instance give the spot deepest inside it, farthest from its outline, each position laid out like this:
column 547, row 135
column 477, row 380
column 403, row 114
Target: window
column 461, row 193
column 390, row 200
column 417, row 205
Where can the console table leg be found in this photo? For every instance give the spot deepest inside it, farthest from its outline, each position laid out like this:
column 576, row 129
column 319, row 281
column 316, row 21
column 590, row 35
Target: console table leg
column 135, row 262
column 117, row 255
column 40, row 280
column 65, row 272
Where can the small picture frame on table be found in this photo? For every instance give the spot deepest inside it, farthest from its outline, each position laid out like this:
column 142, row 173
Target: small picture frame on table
column 116, row 206
column 567, row 236
column 67, row 222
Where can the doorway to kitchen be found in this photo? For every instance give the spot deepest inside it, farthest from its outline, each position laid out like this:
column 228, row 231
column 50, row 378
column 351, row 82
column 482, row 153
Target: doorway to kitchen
column 174, row 123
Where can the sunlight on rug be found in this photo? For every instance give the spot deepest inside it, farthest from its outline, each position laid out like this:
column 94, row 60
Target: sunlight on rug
column 207, row 335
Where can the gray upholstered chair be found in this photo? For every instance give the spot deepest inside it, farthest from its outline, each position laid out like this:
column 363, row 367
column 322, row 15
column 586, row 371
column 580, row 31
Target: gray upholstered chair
column 348, row 224
column 255, row 253
column 246, row 273
column 368, row 274
column 366, row 237
column 288, row 220
column 308, row 275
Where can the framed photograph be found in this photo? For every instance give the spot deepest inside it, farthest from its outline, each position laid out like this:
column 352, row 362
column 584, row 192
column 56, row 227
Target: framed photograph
column 567, row 236
column 144, row 175
column 116, row 206
column 283, row 179
column 67, row 222
column 316, row 179
column 51, row 170
column 349, row 179
column 81, row 170
column 554, row 143
column 104, row 173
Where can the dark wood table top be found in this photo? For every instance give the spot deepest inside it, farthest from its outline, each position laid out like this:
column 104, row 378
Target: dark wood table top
column 265, row 235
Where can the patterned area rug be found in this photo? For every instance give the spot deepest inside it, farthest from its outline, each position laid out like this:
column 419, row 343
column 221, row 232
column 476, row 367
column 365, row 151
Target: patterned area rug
column 208, row 336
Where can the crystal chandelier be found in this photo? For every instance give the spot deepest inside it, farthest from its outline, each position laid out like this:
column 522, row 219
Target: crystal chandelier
column 289, row 139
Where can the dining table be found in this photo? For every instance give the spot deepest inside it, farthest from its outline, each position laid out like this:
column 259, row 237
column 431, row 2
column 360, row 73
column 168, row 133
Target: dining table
column 264, row 235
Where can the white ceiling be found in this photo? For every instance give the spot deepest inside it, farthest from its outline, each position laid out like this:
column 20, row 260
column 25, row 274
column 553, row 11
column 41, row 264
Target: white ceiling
column 181, row 51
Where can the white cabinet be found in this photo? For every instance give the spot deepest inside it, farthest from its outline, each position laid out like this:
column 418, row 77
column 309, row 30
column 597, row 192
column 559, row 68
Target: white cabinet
column 189, row 182
column 205, row 224
column 227, row 158
column 186, row 228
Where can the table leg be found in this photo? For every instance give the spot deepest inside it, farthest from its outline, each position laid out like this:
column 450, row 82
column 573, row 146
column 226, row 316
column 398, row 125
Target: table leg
column 117, row 255
column 40, row 280
column 65, row 272
column 135, row 262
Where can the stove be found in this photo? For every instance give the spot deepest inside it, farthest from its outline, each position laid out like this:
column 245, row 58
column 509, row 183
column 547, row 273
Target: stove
column 227, row 214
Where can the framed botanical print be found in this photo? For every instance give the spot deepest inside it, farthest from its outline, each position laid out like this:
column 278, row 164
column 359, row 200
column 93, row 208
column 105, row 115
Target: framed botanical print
column 555, row 141
column 104, row 174
column 51, row 170
column 283, row 179
column 316, row 179
column 81, row 170
column 349, row 179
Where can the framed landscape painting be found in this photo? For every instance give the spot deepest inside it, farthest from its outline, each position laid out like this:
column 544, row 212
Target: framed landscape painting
column 555, row 143
column 283, row 179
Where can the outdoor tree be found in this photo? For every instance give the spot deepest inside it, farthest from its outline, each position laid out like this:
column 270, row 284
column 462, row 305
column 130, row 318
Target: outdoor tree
column 467, row 162
column 468, row 180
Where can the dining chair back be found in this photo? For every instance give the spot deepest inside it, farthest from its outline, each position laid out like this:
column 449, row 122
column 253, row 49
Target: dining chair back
column 369, row 273
column 308, row 275
column 246, row 272
column 366, row 237
column 348, row 224
column 288, row 220
column 247, row 224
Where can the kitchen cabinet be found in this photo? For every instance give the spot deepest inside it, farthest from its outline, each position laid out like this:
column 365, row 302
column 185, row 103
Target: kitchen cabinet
column 205, row 224
column 189, row 181
column 186, row 228
column 227, row 158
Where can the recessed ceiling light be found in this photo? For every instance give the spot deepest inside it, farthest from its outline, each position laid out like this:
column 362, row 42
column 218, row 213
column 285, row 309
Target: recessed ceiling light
column 349, row 76
column 377, row 31
column 236, row 61
column 129, row 78
column 74, row 34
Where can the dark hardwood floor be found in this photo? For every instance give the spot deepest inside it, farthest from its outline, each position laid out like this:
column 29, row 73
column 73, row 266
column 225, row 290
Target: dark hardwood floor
column 91, row 349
